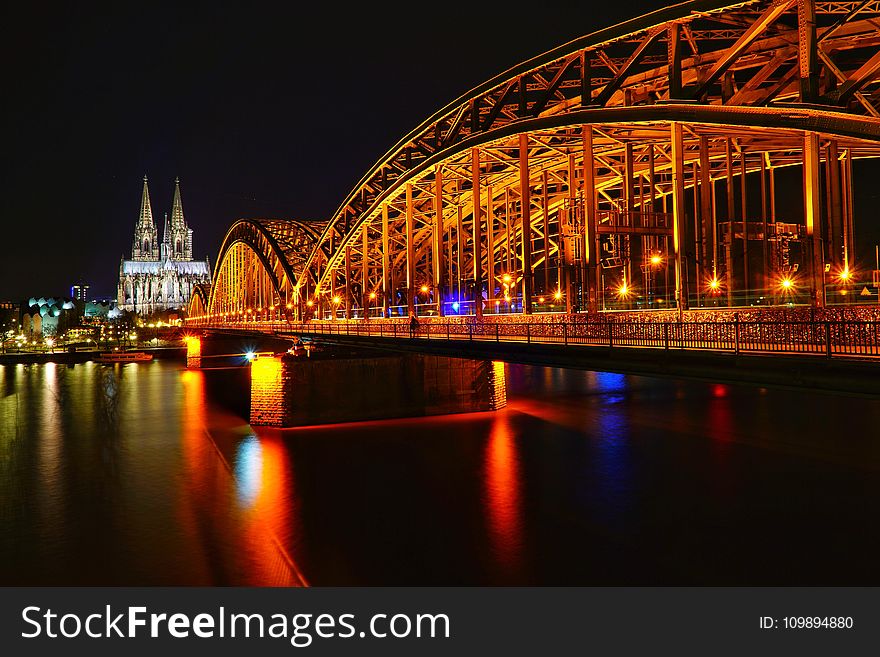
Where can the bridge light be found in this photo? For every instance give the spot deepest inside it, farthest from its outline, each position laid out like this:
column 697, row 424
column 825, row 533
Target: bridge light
column 372, row 295
column 289, row 306
column 272, row 308
column 506, row 278
column 623, row 290
column 455, row 306
column 540, row 299
column 656, row 259
column 557, row 295
column 250, row 355
column 714, row 284
column 336, row 300
column 845, row 274
column 310, row 303
column 507, row 297
column 786, row 283
column 424, row 288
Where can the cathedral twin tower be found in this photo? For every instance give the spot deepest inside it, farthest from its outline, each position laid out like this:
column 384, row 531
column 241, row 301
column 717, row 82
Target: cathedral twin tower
column 160, row 275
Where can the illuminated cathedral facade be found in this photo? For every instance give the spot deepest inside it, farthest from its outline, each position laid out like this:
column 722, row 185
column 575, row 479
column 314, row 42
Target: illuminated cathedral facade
column 160, row 274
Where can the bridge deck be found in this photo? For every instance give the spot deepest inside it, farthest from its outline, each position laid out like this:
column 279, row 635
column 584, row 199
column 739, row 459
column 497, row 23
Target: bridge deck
column 829, row 339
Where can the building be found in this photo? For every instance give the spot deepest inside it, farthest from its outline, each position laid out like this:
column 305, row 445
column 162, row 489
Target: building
column 79, row 291
column 160, row 275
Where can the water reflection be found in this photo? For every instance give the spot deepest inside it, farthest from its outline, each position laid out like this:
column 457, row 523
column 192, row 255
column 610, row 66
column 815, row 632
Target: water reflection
column 133, row 474
column 248, row 470
column 503, row 495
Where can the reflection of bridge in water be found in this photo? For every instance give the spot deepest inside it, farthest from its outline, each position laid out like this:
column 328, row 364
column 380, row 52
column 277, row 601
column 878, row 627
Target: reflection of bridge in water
column 639, row 168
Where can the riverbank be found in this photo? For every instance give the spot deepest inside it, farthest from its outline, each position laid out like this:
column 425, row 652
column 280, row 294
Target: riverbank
column 73, row 357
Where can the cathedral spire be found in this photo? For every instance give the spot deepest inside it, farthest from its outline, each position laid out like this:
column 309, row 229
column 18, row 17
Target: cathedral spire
column 177, row 220
column 146, row 215
column 166, row 236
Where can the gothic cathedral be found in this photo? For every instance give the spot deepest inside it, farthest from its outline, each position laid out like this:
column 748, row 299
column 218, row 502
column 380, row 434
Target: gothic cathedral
column 160, row 275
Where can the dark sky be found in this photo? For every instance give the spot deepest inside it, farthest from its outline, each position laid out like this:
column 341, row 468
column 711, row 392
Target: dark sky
column 262, row 109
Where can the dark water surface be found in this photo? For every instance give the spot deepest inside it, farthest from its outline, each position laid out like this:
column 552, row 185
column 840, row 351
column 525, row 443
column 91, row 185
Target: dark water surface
column 133, row 474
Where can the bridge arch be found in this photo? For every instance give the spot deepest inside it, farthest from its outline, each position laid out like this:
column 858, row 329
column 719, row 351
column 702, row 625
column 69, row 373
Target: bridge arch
column 258, row 268
column 633, row 167
column 199, row 300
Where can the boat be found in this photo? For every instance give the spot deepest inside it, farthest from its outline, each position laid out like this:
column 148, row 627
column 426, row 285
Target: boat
column 124, row 357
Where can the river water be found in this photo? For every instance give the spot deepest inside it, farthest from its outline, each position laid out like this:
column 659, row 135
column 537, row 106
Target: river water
column 135, row 475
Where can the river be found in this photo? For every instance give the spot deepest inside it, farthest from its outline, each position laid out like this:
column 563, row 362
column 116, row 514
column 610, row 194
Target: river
column 135, row 475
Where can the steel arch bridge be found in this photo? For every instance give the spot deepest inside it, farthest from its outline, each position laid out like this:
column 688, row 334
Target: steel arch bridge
column 635, row 167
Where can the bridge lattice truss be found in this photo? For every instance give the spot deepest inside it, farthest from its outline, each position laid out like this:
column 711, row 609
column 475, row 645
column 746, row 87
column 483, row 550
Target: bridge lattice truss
column 615, row 159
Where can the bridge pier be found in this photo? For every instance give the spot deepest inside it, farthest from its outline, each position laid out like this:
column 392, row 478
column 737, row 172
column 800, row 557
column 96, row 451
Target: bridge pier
column 288, row 391
column 193, row 352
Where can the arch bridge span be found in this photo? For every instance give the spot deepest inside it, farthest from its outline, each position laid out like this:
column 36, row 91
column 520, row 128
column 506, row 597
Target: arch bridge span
column 699, row 156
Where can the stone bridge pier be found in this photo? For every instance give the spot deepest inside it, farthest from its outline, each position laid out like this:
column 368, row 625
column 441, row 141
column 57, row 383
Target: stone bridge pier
column 288, row 390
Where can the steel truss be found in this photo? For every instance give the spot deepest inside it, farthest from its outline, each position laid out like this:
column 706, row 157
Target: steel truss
column 636, row 166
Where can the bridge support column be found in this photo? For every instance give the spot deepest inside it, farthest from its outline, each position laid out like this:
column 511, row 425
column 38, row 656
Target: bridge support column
column 813, row 218
column 591, row 243
column 525, row 223
column 437, row 241
column 287, row 391
column 386, row 265
column 193, row 352
column 410, row 253
column 348, row 298
column 678, row 214
column 478, row 233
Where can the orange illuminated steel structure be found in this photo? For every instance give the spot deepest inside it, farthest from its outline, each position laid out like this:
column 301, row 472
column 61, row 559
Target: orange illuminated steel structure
column 571, row 171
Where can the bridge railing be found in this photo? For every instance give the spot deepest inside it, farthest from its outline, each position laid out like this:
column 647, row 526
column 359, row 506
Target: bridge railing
column 824, row 338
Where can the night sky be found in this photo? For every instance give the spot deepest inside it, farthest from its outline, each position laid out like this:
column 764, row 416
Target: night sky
column 262, row 109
